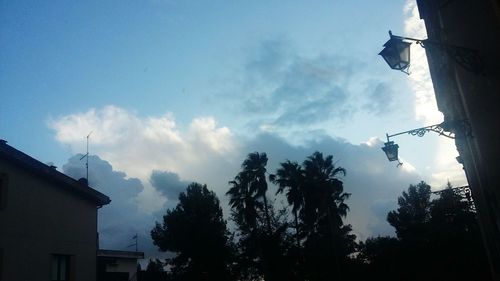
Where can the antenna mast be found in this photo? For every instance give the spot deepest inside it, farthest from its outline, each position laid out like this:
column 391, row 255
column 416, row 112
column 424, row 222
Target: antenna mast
column 136, row 244
column 87, row 156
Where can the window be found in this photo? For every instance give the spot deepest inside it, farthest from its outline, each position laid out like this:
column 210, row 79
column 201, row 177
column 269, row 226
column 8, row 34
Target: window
column 60, row 268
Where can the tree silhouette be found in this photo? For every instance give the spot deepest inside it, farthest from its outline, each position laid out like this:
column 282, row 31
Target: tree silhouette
column 411, row 221
column 455, row 240
column 254, row 170
column 437, row 240
column 382, row 255
column 154, row 266
column 328, row 242
column 196, row 231
column 243, row 202
column 413, row 213
column 263, row 246
column 290, row 177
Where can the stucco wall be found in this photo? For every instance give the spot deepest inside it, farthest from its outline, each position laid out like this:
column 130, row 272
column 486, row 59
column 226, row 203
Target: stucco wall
column 124, row 265
column 40, row 219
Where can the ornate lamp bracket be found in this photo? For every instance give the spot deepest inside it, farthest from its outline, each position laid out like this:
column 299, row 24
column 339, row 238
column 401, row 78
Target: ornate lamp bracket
column 449, row 129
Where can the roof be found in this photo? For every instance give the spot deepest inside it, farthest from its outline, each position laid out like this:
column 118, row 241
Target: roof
column 120, row 254
column 49, row 173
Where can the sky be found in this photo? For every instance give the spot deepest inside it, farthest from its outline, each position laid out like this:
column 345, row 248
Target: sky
column 179, row 91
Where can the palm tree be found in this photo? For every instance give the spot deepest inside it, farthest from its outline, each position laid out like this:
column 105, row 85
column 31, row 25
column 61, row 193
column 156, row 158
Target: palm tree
column 291, row 177
column 324, row 191
column 254, row 169
column 324, row 198
column 242, row 201
column 247, row 199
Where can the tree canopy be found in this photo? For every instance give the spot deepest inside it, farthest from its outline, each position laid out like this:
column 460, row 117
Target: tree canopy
column 437, row 239
column 195, row 229
column 303, row 236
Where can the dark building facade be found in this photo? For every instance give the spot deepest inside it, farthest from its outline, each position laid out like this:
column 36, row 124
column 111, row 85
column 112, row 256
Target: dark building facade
column 470, row 101
column 48, row 221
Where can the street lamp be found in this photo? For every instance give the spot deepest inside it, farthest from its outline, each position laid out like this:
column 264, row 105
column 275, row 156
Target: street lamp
column 391, row 151
column 396, row 53
column 446, row 129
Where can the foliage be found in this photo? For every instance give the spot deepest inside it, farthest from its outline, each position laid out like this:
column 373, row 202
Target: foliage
column 413, row 213
column 306, row 238
column 328, row 241
column 317, row 199
column 262, row 244
column 382, row 255
column 196, row 231
column 154, row 266
column 290, row 177
column 437, row 239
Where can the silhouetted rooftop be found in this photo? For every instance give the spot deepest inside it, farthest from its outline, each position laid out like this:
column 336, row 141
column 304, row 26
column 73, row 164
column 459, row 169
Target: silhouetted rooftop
column 120, row 254
column 49, row 173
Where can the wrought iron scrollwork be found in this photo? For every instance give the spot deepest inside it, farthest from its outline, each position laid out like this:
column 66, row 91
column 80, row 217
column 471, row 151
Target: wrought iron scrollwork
column 463, row 191
column 449, row 129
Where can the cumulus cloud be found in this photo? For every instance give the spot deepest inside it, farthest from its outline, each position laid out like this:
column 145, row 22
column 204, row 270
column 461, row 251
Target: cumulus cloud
column 168, row 184
column 370, row 178
column 124, row 217
column 125, row 139
column 420, row 79
column 120, row 220
column 445, row 167
column 138, row 201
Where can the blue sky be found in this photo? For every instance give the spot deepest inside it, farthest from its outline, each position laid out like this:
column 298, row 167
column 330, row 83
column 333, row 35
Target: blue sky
column 188, row 88
column 60, row 57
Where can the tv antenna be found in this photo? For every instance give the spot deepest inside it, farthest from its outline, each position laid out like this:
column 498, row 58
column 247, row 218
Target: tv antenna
column 136, row 244
column 87, row 156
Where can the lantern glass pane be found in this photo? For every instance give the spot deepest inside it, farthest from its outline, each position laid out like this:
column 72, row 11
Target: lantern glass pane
column 391, row 155
column 391, row 151
column 404, row 53
column 396, row 53
column 391, row 56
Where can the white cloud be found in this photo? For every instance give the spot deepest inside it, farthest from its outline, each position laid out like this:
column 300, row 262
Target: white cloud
column 139, row 145
column 207, row 153
column 448, row 167
column 420, row 79
column 205, row 131
column 445, row 166
column 373, row 141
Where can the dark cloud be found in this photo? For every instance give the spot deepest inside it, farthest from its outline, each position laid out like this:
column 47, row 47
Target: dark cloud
column 272, row 56
column 168, row 184
column 380, row 209
column 374, row 183
column 103, row 178
column 296, row 89
column 330, row 105
column 119, row 221
column 380, row 99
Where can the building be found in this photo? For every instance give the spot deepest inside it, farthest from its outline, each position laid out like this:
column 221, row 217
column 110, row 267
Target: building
column 470, row 101
column 48, row 221
column 117, row 265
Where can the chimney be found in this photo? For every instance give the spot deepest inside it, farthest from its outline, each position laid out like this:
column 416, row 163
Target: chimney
column 83, row 181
